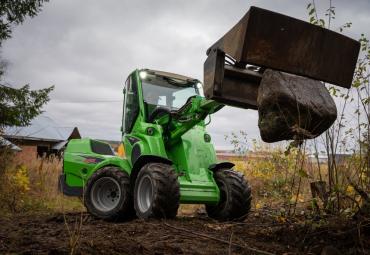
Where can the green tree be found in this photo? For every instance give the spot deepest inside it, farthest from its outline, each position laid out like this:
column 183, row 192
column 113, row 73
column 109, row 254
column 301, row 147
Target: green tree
column 18, row 106
column 14, row 12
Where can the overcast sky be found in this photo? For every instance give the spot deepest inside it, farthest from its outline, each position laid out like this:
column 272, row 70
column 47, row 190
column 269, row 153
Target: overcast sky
column 88, row 48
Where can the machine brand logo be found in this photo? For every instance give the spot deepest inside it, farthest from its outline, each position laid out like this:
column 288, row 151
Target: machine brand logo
column 91, row 160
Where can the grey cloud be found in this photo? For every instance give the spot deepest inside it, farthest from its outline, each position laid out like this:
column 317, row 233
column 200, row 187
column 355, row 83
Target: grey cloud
column 87, row 48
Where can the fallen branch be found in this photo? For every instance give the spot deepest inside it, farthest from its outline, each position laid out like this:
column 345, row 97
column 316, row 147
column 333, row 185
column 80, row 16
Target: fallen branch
column 219, row 240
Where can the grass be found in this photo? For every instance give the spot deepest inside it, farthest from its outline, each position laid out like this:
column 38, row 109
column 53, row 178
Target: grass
column 279, row 180
column 32, row 186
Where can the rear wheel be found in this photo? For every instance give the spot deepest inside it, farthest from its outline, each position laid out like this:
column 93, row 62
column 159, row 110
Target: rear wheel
column 157, row 192
column 235, row 197
column 107, row 194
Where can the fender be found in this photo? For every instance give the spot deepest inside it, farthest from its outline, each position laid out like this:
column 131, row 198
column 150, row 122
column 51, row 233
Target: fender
column 68, row 190
column 114, row 161
column 221, row 165
column 145, row 159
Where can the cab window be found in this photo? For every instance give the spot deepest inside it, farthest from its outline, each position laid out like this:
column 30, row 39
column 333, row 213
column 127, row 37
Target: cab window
column 131, row 105
column 101, row 148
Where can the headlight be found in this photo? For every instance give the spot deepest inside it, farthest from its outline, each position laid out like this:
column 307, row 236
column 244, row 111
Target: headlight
column 142, row 75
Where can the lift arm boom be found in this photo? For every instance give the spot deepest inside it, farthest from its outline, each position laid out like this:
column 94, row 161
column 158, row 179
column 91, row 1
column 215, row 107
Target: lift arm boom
column 192, row 113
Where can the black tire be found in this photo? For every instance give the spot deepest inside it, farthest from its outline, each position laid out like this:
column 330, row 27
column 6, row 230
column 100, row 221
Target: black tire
column 157, row 192
column 123, row 208
column 236, row 197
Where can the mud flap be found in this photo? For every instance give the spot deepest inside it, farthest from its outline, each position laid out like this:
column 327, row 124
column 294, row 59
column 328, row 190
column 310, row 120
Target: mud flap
column 68, row 190
column 221, row 165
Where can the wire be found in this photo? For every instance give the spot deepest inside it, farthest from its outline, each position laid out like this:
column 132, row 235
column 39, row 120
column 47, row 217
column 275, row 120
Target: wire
column 8, row 86
column 85, row 102
column 72, row 101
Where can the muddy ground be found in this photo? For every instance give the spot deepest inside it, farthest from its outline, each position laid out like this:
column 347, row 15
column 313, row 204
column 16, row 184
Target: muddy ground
column 261, row 233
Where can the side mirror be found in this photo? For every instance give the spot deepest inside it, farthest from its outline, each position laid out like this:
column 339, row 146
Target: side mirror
column 124, row 91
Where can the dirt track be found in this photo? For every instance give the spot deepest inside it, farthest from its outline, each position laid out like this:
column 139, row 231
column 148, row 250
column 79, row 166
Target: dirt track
column 186, row 235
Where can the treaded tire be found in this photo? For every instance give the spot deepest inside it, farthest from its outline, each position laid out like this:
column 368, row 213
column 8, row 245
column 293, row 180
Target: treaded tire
column 236, row 198
column 165, row 191
column 124, row 209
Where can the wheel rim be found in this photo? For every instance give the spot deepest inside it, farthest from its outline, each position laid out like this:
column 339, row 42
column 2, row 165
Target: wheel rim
column 105, row 194
column 144, row 193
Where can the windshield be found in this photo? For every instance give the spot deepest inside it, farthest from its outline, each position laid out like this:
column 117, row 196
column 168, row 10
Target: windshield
column 169, row 94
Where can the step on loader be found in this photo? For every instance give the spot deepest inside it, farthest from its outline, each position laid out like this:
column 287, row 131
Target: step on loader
column 267, row 62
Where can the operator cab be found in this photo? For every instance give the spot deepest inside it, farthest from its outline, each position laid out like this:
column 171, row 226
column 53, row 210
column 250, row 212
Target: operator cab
column 161, row 92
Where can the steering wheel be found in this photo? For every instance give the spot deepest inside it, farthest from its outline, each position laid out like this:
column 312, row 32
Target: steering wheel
column 158, row 112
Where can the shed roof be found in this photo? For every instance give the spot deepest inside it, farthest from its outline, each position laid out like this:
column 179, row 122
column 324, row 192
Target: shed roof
column 6, row 143
column 42, row 128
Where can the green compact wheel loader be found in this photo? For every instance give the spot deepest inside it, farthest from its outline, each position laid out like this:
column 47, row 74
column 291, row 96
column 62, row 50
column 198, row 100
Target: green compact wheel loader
column 170, row 158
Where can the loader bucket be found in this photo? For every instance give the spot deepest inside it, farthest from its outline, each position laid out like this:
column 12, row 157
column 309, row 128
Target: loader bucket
column 275, row 64
column 274, row 41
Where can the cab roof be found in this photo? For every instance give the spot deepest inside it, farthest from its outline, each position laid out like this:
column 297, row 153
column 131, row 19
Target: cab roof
column 170, row 75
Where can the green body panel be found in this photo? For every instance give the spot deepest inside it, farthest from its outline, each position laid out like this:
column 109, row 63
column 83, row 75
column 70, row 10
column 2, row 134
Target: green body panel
column 80, row 162
column 149, row 144
column 185, row 147
column 192, row 157
column 183, row 141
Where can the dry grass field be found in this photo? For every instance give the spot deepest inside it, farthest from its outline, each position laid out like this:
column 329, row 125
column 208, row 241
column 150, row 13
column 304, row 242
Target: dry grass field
column 285, row 218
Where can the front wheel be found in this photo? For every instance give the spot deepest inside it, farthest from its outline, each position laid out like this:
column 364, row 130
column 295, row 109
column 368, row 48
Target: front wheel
column 107, row 194
column 235, row 197
column 157, row 192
